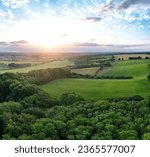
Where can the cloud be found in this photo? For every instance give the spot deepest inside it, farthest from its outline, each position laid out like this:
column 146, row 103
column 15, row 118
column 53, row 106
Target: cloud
column 132, row 46
column 25, row 46
column 63, row 35
column 112, row 5
column 11, row 15
column 87, row 44
column 1, row 14
column 19, row 43
column 20, row 46
column 93, row 39
column 107, row 7
column 104, row 48
column 3, row 44
column 93, row 19
column 14, row 4
column 128, row 3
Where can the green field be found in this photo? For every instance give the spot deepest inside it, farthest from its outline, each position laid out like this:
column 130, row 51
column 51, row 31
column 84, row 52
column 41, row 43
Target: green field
column 53, row 64
column 98, row 89
column 139, row 69
column 94, row 89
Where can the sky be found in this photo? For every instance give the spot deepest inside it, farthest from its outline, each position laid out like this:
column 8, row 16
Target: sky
column 74, row 25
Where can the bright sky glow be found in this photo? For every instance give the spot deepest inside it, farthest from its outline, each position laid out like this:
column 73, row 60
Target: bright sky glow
column 75, row 25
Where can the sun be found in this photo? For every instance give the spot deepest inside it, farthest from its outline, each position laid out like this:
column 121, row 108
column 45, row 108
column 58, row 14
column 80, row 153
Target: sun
column 45, row 31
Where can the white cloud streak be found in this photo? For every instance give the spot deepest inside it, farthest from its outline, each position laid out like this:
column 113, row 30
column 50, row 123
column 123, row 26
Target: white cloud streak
column 14, row 4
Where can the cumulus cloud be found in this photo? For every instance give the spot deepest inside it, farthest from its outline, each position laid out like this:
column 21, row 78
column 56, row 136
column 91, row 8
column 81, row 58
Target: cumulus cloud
column 127, row 3
column 14, row 4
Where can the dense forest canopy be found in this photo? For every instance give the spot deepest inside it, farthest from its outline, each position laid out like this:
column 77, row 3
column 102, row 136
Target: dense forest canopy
column 27, row 112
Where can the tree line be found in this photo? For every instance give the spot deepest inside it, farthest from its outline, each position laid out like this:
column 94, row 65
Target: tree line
column 74, row 75
column 19, row 65
column 46, row 75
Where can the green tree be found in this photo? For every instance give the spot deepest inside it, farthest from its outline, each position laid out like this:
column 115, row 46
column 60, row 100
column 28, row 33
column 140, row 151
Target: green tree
column 70, row 98
column 83, row 132
column 12, row 107
column 46, row 126
column 36, row 111
column 146, row 136
column 129, row 134
column 148, row 77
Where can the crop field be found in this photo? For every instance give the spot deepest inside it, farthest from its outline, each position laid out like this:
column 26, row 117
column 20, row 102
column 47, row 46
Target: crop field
column 95, row 89
column 89, row 71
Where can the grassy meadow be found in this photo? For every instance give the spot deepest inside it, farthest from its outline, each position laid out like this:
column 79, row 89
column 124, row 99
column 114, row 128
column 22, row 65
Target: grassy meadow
column 94, row 89
column 136, row 68
column 98, row 89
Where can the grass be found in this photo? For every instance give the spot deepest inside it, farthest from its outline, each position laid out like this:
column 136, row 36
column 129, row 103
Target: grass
column 93, row 89
column 139, row 69
column 54, row 64
column 89, row 71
